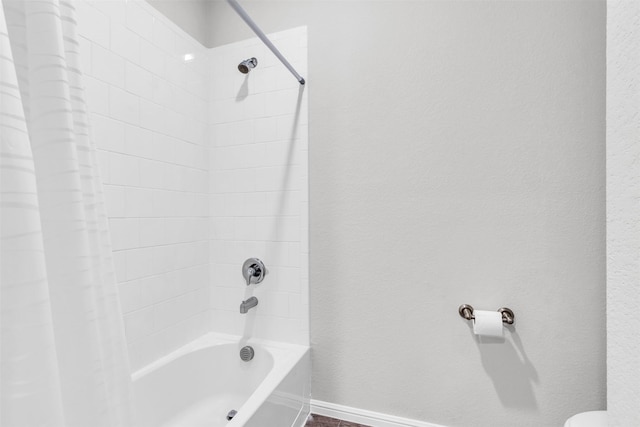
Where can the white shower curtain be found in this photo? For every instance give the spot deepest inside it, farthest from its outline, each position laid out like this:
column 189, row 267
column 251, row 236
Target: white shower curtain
column 63, row 359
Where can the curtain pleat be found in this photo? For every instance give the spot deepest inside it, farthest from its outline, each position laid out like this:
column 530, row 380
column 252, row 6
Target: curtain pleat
column 50, row 177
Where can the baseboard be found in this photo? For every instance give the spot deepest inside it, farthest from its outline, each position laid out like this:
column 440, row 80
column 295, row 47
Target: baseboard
column 361, row 416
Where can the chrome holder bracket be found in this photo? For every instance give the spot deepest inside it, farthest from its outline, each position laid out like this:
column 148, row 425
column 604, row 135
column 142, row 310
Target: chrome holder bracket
column 466, row 312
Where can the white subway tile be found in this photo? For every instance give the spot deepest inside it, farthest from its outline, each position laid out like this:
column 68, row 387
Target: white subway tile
column 265, row 129
column 124, row 233
column 266, row 228
column 97, row 95
column 174, row 124
column 124, row 170
column 151, row 175
column 162, row 205
column 164, row 37
column 125, row 43
column 264, row 81
column 234, row 133
column 285, row 80
column 289, row 228
column 114, row 200
column 139, row 262
column 138, row 141
column 166, row 314
column 108, row 134
column 272, row 303
column 103, row 165
column 152, row 116
column 94, row 24
column 160, row 289
column 124, row 106
column 152, row 58
column 240, row 180
column 227, row 298
column 278, row 252
column 195, row 277
column 288, row 279
column 162, row 92
column 185, row 46
column 115, row 10
column 138, row 202
column 298, row 306
column 139, row 20
column 202, row 158
column 174, row 287
column 152, row 231
column 164, row 258
column 255, row 106
column 283, row 101
column 107, row 66
column 138, row 81
column 163, row 147
column 85, row 56
column 269, row 179
column 130, row 296
column 171, row 175
column 194, row 82
column 290, row 128
column 138, row 324
column 245, row 228
column 295, row 250
column 175, row 71
column 120, row 265
column 146, row 350
column 150, row 289
column 173, row 228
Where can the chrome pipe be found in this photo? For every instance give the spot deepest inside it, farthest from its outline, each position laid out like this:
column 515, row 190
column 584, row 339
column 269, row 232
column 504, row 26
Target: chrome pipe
column 246, row 18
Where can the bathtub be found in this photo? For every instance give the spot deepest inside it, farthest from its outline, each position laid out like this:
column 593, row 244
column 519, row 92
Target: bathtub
column 198, row 384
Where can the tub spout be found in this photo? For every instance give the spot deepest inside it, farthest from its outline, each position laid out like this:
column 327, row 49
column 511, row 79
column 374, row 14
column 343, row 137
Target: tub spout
column 246, row 305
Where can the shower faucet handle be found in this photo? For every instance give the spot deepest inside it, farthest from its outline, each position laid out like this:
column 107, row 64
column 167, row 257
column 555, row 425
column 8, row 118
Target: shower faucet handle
column 253, row 271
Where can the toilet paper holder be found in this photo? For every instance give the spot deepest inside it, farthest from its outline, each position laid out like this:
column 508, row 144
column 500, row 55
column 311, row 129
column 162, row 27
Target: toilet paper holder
column 466, row 311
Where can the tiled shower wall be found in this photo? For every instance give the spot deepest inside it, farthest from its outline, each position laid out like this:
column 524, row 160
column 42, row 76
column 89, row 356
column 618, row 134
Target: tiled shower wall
column 203, row 167
column 259, row 188
column 147, row 91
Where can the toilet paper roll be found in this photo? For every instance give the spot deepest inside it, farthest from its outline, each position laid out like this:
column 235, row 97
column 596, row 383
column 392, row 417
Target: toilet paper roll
column 487, row 323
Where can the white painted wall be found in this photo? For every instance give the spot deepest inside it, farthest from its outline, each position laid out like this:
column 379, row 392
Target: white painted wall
column 259, row 189
column 192, row 16
column 148, row 116
column 457, row 156
column 623, row 226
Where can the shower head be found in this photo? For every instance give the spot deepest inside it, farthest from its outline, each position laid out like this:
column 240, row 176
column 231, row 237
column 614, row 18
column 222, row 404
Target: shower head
column 245, row 66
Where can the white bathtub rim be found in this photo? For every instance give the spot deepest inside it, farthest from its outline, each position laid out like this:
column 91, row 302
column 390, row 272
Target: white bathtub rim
column 268, row 386
column 285, row 357
column 212, row 339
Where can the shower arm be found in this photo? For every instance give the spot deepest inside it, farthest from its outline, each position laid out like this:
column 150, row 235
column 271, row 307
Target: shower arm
column 246, row 18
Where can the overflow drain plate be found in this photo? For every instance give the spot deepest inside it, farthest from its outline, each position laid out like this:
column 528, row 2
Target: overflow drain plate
column 247, row 353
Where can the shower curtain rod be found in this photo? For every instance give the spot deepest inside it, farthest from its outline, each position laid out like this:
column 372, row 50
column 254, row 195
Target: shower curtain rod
column 246, row 18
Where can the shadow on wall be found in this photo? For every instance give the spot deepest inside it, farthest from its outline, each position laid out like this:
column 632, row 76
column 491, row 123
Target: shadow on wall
column 291, row 142
column 243, row 92
column 508, row 366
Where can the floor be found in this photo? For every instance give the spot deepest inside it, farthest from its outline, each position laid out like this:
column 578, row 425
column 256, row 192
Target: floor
column 320, row 421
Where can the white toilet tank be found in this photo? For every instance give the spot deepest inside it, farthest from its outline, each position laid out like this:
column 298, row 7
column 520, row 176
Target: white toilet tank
column 588, row 419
